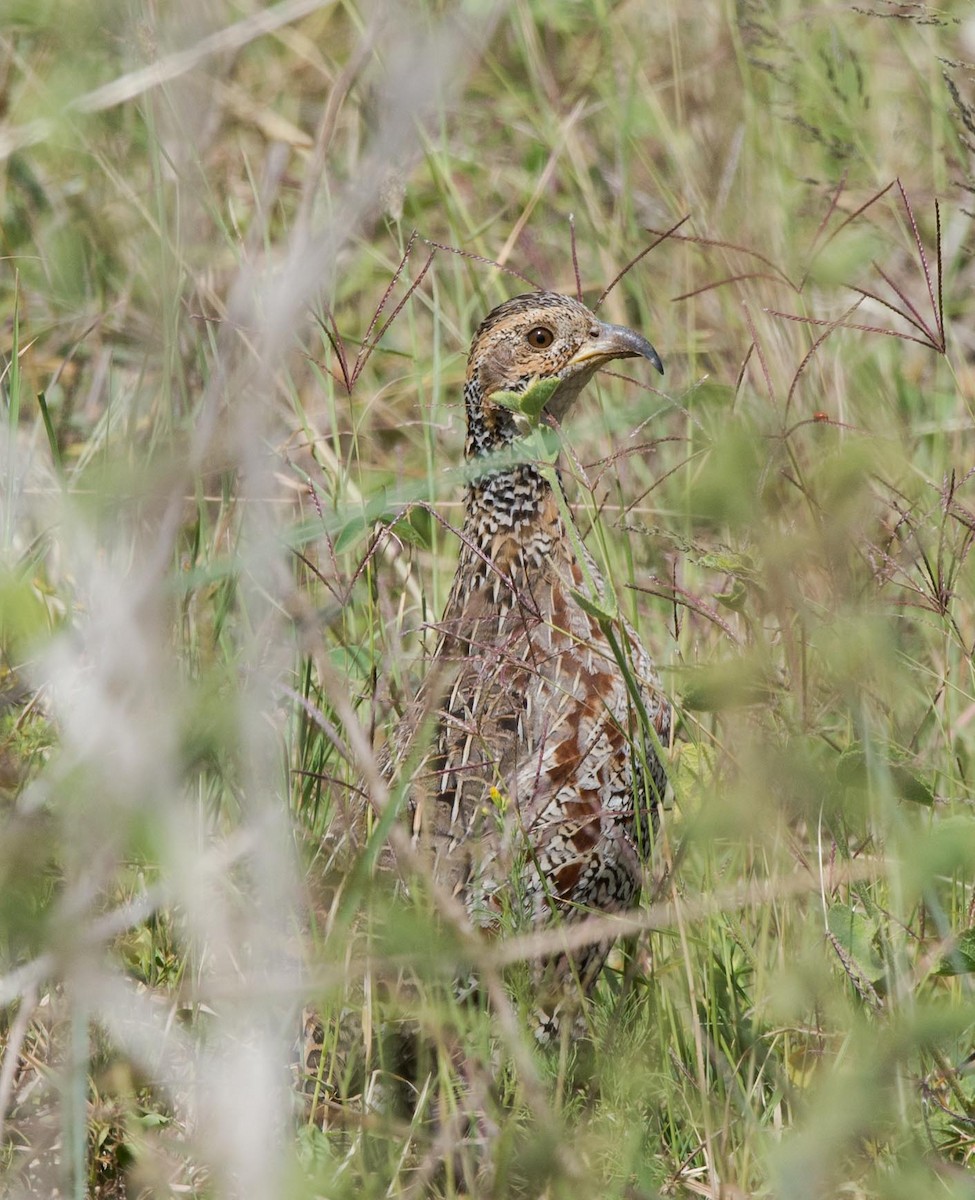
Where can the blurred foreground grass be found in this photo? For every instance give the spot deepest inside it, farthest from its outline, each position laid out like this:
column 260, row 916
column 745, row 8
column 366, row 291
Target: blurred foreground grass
column 226, row 522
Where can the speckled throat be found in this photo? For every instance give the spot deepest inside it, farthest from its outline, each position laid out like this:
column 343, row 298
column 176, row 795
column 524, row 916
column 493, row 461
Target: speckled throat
column 513, row 519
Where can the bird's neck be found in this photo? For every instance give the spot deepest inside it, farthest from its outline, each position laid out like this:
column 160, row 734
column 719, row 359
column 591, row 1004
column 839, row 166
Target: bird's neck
column 516, row 514
column 491, row 429
column 510, row 500
column 514, row 534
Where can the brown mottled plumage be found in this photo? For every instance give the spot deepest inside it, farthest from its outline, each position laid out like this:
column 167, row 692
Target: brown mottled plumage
column 536, row 799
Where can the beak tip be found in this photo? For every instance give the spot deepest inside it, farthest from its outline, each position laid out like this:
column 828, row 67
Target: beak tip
column 625, row 343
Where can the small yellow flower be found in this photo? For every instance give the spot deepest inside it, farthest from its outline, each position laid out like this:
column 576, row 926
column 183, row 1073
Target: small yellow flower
column 499, row 800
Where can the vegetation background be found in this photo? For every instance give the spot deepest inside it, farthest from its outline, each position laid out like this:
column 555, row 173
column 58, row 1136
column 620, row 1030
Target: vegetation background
column 228, row 491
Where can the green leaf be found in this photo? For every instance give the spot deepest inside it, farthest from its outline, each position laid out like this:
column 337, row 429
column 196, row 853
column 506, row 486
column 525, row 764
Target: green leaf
column 855, row 934
column 351, row 532
column 152, row 1120
column 23, row 614
column 415, row 526
column 728, row 561
column 735, row 597
column 912, row 787
column 851, row 771
column 961, row 960
column 531, row 401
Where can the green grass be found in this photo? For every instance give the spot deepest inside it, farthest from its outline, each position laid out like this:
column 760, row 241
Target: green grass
column 219, row 564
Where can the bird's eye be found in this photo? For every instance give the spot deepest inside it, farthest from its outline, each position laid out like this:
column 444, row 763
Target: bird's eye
column 540, row 337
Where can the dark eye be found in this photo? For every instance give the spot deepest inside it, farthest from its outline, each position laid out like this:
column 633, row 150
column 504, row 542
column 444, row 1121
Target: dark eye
column 540, row 337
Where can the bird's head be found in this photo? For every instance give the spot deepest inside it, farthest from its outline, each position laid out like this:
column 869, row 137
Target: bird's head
column 540, row 337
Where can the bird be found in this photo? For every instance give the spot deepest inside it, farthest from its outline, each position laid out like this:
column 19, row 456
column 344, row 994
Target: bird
column 531, row 758
column 536, row 798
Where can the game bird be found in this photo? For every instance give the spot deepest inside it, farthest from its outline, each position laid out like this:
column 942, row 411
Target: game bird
column 533, row 750
column 536, row 798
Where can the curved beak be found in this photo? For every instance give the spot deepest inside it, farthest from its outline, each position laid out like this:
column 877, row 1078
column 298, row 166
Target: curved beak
column 615, row 341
